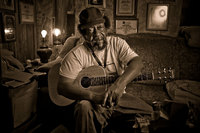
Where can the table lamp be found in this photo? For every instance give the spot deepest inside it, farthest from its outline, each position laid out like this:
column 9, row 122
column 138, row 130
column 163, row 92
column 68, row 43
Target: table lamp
column 44, row 52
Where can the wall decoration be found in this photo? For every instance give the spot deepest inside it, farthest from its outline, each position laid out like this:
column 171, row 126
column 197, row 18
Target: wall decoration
column 7, row 4
column 9, row 27
column 126, row 27
column 96, row 3
column 157, row 16
column 26, row 13
column 125, row 7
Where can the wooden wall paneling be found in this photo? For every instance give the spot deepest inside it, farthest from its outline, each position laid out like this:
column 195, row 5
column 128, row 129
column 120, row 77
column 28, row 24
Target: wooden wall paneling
column 35, row 30
column 61, row 8
column 30, row 42
column 21, row 41
column 25, row 46
column 70, row 24
column 25, row 42
column 44, row 16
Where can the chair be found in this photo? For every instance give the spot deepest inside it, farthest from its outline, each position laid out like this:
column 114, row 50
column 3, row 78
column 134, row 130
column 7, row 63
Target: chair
column 59, row 101
column 53, row 77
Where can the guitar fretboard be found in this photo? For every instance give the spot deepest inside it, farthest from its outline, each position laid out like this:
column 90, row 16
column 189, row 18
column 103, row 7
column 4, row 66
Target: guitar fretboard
column 103, row 80
column 147, row 76
column 95, row 81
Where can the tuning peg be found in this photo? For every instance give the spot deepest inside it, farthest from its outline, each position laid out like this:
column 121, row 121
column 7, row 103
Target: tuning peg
column 159, row 72
column 164, row 70
column 169, row 69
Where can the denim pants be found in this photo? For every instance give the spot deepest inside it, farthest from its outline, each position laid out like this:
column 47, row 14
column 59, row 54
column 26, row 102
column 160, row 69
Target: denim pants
column 90, row 118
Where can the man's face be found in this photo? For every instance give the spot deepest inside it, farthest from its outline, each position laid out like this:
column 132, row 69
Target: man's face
column 96, row 35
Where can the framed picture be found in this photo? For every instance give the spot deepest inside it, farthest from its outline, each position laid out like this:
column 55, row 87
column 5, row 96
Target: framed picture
column 96, row 3
column 9, row 27
column 26, row 13
column 7, row 4
column 157, row 16
column 126, row 27
column 125, row 7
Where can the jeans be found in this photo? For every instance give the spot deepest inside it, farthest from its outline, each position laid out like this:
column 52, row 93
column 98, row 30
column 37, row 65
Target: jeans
column 90, row 118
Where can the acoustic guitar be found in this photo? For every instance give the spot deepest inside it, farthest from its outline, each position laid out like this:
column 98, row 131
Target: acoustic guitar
column 94, row 78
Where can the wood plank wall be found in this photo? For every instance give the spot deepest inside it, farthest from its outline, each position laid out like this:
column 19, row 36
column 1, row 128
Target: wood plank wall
column 45, row 20
column 24, row 47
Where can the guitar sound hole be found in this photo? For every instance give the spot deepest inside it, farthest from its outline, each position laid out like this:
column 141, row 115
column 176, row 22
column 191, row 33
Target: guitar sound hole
column 86, row 82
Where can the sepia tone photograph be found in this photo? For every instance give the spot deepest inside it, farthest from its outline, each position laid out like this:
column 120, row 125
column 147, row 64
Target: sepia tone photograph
column 100, row 66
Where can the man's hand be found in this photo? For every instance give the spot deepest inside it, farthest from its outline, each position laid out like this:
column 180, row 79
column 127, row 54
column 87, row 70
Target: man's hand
column 113, row 95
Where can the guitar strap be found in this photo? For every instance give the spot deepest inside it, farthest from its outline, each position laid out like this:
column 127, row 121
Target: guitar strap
column 94, row 55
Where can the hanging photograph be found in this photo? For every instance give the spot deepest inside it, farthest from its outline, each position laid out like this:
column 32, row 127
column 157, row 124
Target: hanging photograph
column 26, row 13
column 157, row 16
column 96, row 3
column 125, row 7
column 126, row 27
column 7, row 4
column 9, row 27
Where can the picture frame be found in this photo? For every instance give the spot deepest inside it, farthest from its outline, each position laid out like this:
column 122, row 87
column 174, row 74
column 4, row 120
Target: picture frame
column 126, row 8
column 9, row 27
column 96, row 3
column 157, row 16
column 126, row 27
column 26, row 13
column 7, row 4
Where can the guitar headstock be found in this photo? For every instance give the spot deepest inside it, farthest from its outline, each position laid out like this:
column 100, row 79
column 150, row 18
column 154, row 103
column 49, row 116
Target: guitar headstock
column 164, row 75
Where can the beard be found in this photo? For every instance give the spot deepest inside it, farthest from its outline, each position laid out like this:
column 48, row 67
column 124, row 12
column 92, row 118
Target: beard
column 99, row 42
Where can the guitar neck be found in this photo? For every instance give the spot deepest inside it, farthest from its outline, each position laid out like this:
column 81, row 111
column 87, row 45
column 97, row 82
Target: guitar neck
column 148, row 76
column 103, row 80
column 111, row 79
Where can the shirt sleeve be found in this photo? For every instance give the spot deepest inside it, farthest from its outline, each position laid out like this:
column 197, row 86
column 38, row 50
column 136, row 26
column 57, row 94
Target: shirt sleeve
column 70, row 66
column 125, row 52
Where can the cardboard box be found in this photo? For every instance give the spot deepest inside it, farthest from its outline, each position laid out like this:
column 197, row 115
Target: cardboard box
column 23, row 101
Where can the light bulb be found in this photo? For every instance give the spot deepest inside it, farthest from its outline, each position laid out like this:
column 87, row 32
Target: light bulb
column 44, row 33
column 56, row 32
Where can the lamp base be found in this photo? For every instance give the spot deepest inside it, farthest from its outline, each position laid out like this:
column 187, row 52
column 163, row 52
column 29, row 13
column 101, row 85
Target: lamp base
column 44, row 53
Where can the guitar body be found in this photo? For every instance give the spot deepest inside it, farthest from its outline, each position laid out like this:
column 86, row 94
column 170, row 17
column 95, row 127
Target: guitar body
column 91, row 78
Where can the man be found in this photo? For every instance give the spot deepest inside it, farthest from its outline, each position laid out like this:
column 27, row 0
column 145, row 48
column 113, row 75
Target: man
column 92, row 109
